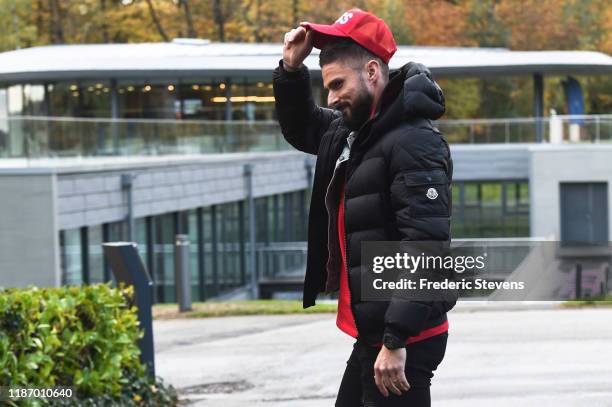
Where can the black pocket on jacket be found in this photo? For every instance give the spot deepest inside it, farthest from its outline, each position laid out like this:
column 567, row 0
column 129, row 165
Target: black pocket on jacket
column 428, row 193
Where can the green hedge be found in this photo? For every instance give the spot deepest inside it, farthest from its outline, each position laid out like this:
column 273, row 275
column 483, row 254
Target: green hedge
column 83, row 337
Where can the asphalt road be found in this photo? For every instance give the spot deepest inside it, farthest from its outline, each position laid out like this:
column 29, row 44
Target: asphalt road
column 499, row 355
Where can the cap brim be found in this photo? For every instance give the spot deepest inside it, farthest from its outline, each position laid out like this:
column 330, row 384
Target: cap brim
column 323, row 34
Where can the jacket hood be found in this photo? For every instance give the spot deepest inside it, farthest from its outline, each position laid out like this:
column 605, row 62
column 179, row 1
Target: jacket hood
column 421, row 95
column 410, row 94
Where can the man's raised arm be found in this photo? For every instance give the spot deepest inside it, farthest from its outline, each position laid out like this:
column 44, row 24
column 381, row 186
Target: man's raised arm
column 302, row 122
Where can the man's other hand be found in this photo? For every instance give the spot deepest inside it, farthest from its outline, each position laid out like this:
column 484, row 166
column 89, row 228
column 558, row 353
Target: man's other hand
column 389, row 371
column 297, row 46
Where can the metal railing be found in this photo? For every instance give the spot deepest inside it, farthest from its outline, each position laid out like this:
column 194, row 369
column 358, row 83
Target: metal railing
column 287, row 260
column 576, row 128
column 48, row 137
column 44, row 137
column 281, row 260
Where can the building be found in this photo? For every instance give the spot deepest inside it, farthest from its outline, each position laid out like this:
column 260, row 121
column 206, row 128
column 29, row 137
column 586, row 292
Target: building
column 144, row 141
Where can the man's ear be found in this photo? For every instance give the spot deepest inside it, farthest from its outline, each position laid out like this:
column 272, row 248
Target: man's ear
column 373, row 70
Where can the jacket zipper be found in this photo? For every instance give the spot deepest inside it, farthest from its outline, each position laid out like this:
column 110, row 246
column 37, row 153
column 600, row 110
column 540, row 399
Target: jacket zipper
column 346, row 248
column 334, row 175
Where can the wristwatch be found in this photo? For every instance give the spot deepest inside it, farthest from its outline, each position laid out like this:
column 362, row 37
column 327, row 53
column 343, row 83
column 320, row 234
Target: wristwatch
column 392, row 342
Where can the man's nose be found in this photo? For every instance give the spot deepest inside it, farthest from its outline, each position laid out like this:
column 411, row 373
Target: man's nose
column 332, row 99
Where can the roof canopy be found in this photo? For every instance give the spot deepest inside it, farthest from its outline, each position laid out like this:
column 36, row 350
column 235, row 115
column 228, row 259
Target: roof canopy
column 198, row 58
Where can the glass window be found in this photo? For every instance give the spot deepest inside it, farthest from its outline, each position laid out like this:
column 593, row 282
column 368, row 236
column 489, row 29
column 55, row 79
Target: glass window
column 4, row 123
column 34, row 100
column 117, row 231
column 130, row 98
column 492, row 222
column 229, row 245
column 276, row 218
column 164, row 258
column 94, row 99
column 15, row 143
column 302, row 217
column 289, row 220
column 36, row 134
column 261, row 215
column 71, row 256
column 472, row 194
column 517, row 196
column 458, row 211
column 3, row 103
column 252, row 101
column 194, row 238
column 140, row 236
column 243, row 239
column 202, row 99
column 64, row 99
column 15, row 100
column 297, row 210
column 148, row 99
column 490, row 209
column 243, row 106
column 80, row 99
column 96, row 257
column 516, row 208
column 209, row 215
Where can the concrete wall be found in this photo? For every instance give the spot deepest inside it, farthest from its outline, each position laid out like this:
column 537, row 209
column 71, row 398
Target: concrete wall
column 29, row 241
column 490, row 162
column 551, row 165
column 92, row 195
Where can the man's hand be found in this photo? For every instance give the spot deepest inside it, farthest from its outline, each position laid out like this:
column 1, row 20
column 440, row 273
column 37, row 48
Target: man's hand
column 389, row 371
column 297, row 46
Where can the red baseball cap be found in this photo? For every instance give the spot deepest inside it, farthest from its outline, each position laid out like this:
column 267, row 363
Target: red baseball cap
column 362, row 27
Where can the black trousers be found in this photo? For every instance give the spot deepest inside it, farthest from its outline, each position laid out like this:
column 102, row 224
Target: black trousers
column 358, row 388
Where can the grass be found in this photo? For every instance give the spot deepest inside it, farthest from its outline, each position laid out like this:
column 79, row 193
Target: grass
column 233, row 308
column 591, row 302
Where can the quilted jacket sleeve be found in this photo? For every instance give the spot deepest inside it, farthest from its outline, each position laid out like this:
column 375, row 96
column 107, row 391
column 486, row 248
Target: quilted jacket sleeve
column 421, row 173
column 302, row 122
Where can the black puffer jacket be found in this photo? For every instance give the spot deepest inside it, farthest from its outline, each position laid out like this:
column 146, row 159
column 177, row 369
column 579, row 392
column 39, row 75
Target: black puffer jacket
column 395, row 158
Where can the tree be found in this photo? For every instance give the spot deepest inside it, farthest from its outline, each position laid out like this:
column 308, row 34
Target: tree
column 436, row 22
column 19, row 27
column 219, row 19
column 483, row 28
column 156, row 21
column 191, row 32
column 56, row 23
column 394, row 13
column 105, row 37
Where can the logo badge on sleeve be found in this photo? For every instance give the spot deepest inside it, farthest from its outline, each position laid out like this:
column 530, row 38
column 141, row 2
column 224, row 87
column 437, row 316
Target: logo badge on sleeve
column 432, row 193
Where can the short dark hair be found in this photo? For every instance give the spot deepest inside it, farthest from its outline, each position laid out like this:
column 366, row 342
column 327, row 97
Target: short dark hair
column 349, row 52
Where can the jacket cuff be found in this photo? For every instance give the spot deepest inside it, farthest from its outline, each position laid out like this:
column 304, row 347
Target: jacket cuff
column 395, row 335
column 302, row 71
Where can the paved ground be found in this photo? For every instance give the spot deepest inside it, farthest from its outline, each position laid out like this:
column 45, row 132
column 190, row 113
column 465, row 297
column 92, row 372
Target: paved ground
column 501, row 355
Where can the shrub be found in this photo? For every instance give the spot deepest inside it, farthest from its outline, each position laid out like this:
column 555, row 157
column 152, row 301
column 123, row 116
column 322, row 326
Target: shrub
column 82, row 337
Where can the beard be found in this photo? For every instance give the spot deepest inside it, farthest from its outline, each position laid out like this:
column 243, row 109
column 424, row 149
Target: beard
column 358, row 113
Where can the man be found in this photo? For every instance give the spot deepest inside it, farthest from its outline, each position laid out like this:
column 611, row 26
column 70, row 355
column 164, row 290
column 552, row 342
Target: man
column 383, row 173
